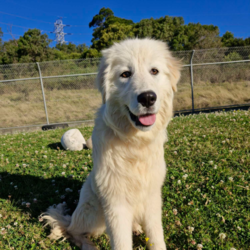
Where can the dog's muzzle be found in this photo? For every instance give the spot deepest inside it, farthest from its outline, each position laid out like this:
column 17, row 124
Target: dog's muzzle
column 147, row 99
column 143, row 120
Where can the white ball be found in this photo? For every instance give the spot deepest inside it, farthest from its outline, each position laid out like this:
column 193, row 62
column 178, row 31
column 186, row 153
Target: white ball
column 73, row 140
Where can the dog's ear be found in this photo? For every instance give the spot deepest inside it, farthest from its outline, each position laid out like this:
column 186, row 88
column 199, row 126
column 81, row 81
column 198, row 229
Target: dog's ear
column 174, row 66
column 100, row 79
column 103, row 78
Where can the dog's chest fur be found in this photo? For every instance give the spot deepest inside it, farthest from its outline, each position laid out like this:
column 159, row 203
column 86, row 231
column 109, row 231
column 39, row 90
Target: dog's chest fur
column 127, row 170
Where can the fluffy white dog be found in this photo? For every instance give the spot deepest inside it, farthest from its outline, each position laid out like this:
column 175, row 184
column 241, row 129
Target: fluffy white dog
column 137, row 79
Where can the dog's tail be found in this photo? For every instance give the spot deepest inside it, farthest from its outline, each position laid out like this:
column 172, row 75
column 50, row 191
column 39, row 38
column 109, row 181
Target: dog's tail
column 59, row 221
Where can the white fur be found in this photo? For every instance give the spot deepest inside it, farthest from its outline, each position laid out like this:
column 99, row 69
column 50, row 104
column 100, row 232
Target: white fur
column 123, row 190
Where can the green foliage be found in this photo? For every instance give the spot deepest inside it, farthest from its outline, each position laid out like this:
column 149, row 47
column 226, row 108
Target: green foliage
column 208, row 183
column 163, row 28
column 71, row 48
column 233, row 56
column 113, row 33
column 99, row 19
column 90, row 53
column 1, row 35
column 33, row 46
column 113, row 19
column 172, row 30
column 228, row 40
column 61, row 55
column 108, row 28
column 9, row 52
column 195, row 36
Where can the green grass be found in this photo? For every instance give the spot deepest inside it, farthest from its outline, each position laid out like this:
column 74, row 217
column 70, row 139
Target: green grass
column 211, row 151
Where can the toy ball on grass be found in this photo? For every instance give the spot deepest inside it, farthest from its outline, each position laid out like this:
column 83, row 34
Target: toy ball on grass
column 73, row 140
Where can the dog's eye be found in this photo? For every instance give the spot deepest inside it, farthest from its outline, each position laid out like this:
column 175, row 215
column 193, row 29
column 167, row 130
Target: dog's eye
column 154, row 71
column 126, row 74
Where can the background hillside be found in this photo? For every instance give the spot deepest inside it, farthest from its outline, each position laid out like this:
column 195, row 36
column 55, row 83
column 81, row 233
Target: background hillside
column 33, row 46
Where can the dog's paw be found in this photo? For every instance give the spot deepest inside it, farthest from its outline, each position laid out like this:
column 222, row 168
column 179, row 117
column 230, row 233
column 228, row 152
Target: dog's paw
column 137, row 229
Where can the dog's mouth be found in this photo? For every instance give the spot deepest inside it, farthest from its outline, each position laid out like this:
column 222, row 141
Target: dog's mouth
column 144, row 120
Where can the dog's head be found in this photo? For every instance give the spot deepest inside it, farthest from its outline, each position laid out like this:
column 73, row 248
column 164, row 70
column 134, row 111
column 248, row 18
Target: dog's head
column 137, row 79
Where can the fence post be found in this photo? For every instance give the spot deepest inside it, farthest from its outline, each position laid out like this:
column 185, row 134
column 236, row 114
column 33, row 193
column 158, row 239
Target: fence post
column 192, row 79
column 44, row 100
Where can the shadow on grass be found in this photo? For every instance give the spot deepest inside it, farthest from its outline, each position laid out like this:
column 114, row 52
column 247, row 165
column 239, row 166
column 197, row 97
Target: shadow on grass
column 40, row 193
column 18, row 190
column 56, row 146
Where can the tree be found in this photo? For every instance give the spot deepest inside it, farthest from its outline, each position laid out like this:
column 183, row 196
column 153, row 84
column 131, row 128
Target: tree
column 113, row 33
column 247, row 41
column 99, row 19
column 71, row 48
column 33, row 46
column 91, row 53
column 67, row 48
column 172, row 30
column 81, row 47
column 229, row 40
column 163, row 28
column 108, row 29
column 9, row 52
column 1, row 35
column 196, row 36
column 67, row 51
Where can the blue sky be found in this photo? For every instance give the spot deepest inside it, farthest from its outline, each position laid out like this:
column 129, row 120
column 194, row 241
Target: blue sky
column 230, row 15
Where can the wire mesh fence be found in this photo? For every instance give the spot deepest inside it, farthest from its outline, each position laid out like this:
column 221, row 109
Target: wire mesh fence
column 214, row 55
column 220, row 77
column 71, row 98
column 69, row 67
column 18, row 71
column 21, row 103
column 221, row 84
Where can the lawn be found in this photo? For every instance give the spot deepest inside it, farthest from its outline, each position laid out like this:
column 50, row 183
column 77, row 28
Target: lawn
column 206, row 195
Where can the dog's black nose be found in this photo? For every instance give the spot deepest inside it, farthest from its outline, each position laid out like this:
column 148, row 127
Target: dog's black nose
column 147, row 99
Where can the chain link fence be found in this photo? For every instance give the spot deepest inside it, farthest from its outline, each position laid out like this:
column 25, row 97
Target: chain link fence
column 65, row 89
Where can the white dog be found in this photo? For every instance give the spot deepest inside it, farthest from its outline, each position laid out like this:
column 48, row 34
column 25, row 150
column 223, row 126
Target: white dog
column 137, row 79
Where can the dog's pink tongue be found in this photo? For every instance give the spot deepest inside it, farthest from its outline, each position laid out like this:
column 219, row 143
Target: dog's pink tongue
column 147, row 120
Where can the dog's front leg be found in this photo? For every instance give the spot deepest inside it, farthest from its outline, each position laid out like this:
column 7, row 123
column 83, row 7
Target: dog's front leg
column 118, row 219
column 153, row 223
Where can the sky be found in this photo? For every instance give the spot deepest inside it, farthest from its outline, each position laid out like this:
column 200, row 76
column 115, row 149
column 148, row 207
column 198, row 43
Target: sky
column 19, row 15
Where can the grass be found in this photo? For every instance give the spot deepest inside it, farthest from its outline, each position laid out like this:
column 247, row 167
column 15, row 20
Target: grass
column 22, row 106
column 206, row 195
